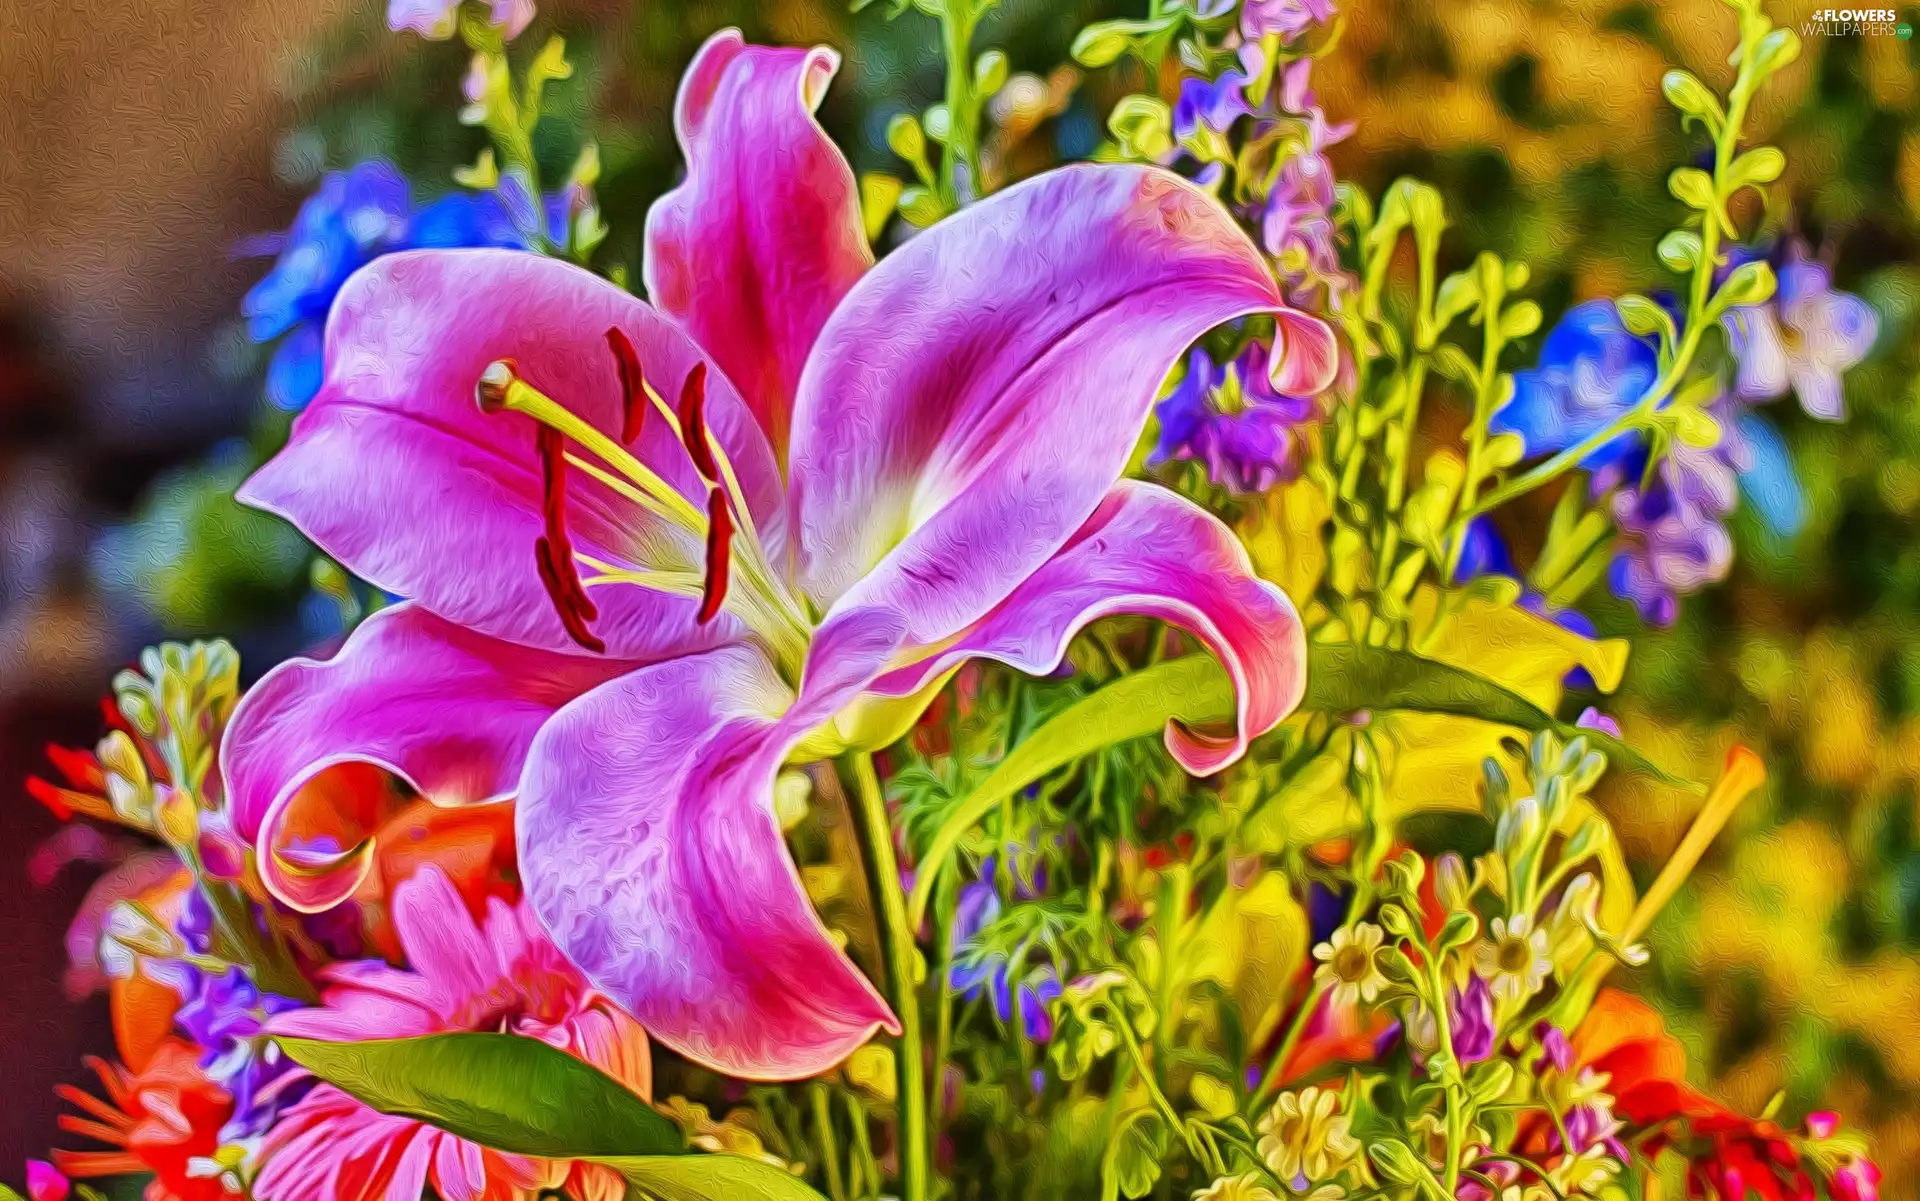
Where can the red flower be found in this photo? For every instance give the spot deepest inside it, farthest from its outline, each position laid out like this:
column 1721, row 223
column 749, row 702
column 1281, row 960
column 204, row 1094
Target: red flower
column 1731, row 1154
column 161, row 1120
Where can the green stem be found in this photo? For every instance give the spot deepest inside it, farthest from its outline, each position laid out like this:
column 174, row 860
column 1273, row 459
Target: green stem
column 897, row 948
column 957, row 21
column 829, row 1150
column 1725, row 146
column 1298, row 1027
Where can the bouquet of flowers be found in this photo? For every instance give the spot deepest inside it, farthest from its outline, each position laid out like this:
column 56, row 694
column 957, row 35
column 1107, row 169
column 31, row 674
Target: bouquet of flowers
column 1089, row 700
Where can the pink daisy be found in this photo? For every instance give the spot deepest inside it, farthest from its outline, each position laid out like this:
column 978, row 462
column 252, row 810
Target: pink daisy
column 502, row 975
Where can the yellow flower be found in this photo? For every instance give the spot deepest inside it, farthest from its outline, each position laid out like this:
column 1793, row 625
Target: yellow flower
column 1350, row 964
column 1515, row 959
column 1305, row 1134
column 1237, row 1188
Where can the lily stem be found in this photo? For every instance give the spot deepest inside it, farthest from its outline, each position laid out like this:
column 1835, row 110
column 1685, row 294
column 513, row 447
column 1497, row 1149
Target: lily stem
column 900, row 953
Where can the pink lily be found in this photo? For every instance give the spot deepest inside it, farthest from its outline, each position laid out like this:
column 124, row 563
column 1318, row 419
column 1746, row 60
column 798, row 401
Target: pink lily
column 876, row 473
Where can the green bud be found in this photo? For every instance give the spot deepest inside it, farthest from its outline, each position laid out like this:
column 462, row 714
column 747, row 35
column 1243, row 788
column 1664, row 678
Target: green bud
column 1492, row 1081
column 1643, row 317
column 1520, row 320
column 1692, row 187
column 1750, row 284
column 1450, row 882
column 906, row 139
column 1396, row 922
column 1685, row 92
column 1395, row 1161
column 1679, row 250
column 989, row 73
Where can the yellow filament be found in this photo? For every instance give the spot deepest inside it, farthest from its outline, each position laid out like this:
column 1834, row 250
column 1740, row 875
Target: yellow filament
column 522, row 397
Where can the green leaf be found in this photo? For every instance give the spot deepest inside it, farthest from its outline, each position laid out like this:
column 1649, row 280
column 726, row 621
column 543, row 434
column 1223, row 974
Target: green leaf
column 513, row 1094
column 1195, row 690
column 702, row 1177
column 1131, row 1165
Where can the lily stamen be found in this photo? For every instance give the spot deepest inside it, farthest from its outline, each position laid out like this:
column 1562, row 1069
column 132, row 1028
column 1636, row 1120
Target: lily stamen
column 719, row 552
column 633, row 385
column 765, row 605
column 501, row 389
column 553, row 551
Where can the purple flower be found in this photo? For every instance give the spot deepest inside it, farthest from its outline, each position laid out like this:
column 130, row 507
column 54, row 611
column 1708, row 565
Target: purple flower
column 975, row 970
column 875, row 473
column 1297, row 225
column 1212, row 105
column 1287, row 18
column 1471, row 1015
column 1592, row 719
column 1555, row 1051
column 1806, row 337
column 438, row 19
column 1234, row 421
column 1675, row 539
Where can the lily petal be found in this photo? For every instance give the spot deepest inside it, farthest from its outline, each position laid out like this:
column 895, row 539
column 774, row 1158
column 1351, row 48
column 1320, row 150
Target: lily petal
column 753, row 251
column 394, row 470
column 651, row 853
column 978, row 393
column 1151, row 552
column 449, row 711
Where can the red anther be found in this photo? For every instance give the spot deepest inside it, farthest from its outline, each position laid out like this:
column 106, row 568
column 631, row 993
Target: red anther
column 713, row 592
column 562, row 585
column 50, row 795
column 553, row 553
column 693, row 422
column 633, row 384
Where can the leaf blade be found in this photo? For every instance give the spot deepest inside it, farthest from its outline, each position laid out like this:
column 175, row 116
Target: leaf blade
column 503, row 1091
column 700, row 1177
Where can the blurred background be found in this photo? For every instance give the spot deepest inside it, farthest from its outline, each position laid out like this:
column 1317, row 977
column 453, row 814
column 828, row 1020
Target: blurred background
column 149, row 148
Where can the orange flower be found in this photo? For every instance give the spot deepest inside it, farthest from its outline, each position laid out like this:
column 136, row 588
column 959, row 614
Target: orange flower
column 165, row 1120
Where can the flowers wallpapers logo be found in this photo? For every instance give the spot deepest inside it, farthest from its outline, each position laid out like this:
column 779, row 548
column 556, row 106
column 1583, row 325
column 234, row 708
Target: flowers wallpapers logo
column 951, row 599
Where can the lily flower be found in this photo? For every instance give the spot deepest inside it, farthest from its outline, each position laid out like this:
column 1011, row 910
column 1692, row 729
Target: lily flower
column 628, row 614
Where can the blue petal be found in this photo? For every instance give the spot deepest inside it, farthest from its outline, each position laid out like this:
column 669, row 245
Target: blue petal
column 1769, row 483
column 294, row 374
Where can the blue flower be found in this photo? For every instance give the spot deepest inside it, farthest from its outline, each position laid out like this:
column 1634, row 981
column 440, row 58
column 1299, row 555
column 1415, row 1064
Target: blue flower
column 352, row 218
column 1591, row 371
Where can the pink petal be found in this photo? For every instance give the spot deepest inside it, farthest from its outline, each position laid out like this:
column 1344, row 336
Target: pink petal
column 753, row 251
column 449, row 711
column 394, row 470
column 1148, row 551
column 443, row 944
column 410, row 1172
column 978, row 393
column 650, row 851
